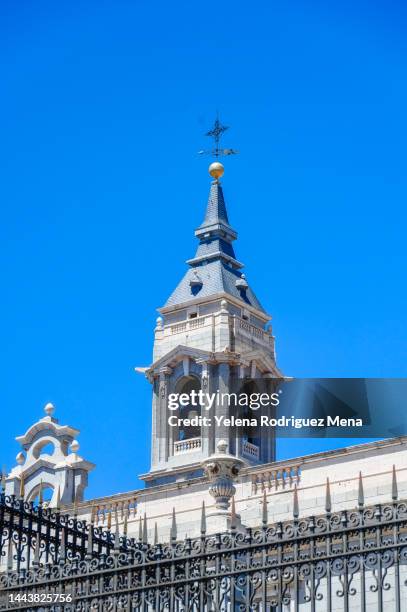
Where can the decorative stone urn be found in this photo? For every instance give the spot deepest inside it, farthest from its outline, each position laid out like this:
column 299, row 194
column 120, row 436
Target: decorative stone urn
column 222, row 469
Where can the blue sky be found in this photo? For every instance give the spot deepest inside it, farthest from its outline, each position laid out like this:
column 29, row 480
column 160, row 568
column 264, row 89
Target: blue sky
column 104, row 106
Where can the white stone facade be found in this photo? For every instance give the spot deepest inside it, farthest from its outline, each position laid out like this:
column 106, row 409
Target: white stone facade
column 374, row 460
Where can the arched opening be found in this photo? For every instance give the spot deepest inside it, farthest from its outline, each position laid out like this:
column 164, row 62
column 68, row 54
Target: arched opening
column 44, row 447
column 188, row 385
column 47, row 491
column 186, row 436
column 250, row 435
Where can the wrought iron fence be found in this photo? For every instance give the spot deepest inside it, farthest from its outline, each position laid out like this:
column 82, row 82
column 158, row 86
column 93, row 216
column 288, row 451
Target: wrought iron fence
column 348, row 560
column 33, row 536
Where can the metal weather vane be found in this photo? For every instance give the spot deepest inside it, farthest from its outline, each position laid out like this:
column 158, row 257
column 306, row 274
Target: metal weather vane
column 216, row 133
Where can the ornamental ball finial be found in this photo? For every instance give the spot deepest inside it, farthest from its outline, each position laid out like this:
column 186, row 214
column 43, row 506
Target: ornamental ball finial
column 49, row 409
column 216, row 170
column 74, row 446
column 20, row 458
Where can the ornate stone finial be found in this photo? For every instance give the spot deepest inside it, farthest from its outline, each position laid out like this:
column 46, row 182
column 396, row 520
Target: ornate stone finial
column 20, row 458
column 224, row 306
column 159, row 323
column 49, row 409
column 74, row 446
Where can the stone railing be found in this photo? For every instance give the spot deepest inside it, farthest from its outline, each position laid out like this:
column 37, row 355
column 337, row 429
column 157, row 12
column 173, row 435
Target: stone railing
column 178, row 328
column 250, row 450
column 248, row 329
column 186, row 446
column 120, row 508
column 283, row 477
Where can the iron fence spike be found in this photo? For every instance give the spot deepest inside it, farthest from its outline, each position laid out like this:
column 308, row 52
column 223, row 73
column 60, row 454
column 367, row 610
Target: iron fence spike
column 58, row 497
column 264, row 510
column 173, row 526
column 394, row 488
column 203, row 519
column 126, row 516
column 10, row 554
column 116, row 532
column 361, row 495
column 3, row 478
column 328, row 501
column 62, row 550
column 40, row 495
column 145, row 529
column 37, row 549
column 22, row 486
column 233, row 515
column 296, row 511
column 89, row 549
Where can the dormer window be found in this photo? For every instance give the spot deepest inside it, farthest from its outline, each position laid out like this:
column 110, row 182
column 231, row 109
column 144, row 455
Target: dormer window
column 195, row 282
column 241, row 283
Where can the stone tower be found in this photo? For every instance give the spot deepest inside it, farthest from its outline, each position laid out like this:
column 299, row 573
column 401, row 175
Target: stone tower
column 212, row 335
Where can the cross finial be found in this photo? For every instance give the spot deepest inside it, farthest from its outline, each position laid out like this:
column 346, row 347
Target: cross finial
column 216, row 133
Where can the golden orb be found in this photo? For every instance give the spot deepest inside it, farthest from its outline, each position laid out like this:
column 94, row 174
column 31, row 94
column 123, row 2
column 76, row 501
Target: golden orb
column 216, row 169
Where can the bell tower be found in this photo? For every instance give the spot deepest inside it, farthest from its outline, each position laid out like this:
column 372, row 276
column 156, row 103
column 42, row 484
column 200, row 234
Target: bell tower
column 212, row 335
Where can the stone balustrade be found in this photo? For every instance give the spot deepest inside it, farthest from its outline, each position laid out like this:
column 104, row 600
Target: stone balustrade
column 247, row 329
column 240, row 326
column 250, row 450
column 186, row 446
column 178, row 328
column 283, row 477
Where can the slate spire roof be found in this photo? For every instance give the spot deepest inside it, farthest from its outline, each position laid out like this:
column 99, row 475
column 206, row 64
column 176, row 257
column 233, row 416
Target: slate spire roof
column 216, row 208
column 214, row 269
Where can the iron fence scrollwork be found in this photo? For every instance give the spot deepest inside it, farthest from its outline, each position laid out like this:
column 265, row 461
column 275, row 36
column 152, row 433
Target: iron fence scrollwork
column 351, row 560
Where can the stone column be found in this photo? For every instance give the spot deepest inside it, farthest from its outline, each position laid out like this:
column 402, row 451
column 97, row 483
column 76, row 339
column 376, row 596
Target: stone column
column 206, row 431
column 164, row 431
column 222, row 409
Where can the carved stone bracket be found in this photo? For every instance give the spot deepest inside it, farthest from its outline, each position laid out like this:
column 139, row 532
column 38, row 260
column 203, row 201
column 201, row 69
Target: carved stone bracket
column 222, row 469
